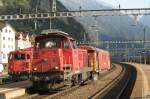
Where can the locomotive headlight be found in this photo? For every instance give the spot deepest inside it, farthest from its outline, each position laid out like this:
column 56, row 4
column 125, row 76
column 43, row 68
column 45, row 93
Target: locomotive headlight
column 34, row 69
column 56, row 67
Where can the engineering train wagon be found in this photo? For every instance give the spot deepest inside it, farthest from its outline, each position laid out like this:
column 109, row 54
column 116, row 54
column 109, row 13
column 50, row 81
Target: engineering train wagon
column 20, row 63
column 103, row 59
column 97, row 58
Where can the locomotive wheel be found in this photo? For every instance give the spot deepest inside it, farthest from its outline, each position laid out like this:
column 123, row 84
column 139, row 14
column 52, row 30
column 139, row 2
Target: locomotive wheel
column 80, row 80
column 73, row 80
column 77, row 80
column 91, row 76
column 51, row 85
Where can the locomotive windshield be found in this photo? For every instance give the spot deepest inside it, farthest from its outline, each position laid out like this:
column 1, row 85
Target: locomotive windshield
column 18, row 56
column 50, row 44
column 53, row 42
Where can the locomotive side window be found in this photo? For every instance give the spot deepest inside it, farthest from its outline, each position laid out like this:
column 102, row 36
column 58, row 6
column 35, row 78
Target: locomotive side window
column 74, row 44
column 66, row 45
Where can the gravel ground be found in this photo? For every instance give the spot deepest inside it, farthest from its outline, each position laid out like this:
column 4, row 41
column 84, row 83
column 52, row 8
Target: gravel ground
column 84, row 92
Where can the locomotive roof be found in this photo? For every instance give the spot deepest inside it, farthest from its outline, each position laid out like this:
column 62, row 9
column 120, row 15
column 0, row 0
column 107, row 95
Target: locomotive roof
column 54, row 32
column 88, row 47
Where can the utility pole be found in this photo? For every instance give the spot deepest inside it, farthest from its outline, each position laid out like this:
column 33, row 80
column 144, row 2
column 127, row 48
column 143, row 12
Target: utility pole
column 108, row 46
column 35, row 21
column 84, row 36
column 96, row 30
column 144, row 39
column 35, row 24
column 126, row 53
column 144, row 42
column 54, row 7
column 50, row 24
column 54, row 10
column 140, row 59
column 116, row 52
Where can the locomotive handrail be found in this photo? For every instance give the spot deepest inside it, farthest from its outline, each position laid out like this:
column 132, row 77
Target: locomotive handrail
column 53, row 31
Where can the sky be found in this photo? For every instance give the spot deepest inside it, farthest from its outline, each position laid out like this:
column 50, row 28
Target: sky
column 129, row 3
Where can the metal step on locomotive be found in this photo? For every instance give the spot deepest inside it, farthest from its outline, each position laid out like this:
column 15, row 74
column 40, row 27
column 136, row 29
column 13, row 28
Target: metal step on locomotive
column 55, row 58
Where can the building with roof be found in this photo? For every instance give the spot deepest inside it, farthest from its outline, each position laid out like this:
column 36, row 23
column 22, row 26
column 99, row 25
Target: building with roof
column 7, row 41
column 22, row 40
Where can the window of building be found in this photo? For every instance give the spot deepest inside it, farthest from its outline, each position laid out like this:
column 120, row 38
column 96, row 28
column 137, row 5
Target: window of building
column 3, row 38
column 11, row 39
column 3, row 45
column 8, row 38
column 6, row 30
column 4, row 56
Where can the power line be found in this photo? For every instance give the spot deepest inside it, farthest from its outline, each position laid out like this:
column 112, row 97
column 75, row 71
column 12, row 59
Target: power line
column 77, row 13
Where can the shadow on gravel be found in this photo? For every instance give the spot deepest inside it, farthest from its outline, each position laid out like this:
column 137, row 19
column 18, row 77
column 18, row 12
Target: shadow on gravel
column 31, row 90
column 115, row 91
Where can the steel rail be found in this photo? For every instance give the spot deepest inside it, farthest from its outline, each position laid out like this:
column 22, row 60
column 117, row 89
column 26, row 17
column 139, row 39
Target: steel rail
column 109, row 86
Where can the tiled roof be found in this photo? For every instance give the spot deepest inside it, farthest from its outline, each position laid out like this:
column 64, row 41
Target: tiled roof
column 2, row 24
column 24, row 35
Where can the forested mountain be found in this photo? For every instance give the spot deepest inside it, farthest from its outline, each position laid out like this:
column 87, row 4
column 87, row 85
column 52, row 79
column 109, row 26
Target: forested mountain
column 69, row 25
column 109, row 27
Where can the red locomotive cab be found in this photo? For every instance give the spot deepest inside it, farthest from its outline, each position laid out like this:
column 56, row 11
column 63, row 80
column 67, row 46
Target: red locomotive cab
column 49, row 52
column 20, row 62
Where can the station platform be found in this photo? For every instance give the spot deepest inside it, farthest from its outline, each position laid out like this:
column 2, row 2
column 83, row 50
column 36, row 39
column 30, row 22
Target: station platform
column 13, row 90
column 141, row 88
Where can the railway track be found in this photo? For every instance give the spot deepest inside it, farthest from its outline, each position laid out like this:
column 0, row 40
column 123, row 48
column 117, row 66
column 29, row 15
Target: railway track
column 121, row 84
column 123, row 87
column 102, row 92
column 126, row 90
column 60, row 92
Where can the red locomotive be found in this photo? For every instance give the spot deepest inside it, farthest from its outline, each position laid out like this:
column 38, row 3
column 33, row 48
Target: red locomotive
column 56, row 58
column 20, row 62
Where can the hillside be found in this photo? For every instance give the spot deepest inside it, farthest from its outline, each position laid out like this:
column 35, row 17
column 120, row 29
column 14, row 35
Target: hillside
column 29, row 6
column 109, row 27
